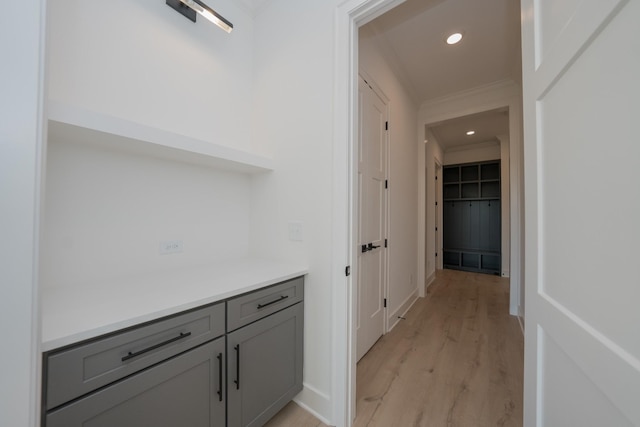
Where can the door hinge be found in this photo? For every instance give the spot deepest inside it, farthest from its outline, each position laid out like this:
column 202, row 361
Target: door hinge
column 436, row 203
column 385, row 302
column 347, row 271
column 386, row 125
column 385, row 243
column 436, row 253
column 386, row 183
column 436, row 228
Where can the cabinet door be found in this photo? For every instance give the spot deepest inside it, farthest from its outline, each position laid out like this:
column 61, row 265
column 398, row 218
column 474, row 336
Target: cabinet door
column 490, row 225
column 186, row 390
column 265, row 367
column 452, row 224
column 469, row 232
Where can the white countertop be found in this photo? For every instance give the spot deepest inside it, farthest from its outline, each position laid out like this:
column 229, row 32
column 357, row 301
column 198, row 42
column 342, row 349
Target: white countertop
column 75, row 313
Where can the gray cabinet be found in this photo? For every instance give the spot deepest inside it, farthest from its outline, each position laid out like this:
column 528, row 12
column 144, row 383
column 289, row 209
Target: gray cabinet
column 185, row 370
column 471, row 217
column 265, row 356
column 88, row 366
column 186, row 390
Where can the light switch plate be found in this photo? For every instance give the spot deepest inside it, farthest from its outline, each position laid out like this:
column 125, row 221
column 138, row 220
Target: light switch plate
column 295, row 231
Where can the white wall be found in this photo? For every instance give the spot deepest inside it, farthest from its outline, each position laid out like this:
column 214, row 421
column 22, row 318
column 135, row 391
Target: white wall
column 22, row 53
column 106, row 211
column 433, row 154
column 292, row 118
column 480, row 152
column 145, row 62
column 403, row 172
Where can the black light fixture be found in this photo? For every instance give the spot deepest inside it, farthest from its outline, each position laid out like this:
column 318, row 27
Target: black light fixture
column 189, row 8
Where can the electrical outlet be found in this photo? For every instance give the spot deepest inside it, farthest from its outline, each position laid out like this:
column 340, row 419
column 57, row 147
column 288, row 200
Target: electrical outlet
column 170, row 247
column 295, row 231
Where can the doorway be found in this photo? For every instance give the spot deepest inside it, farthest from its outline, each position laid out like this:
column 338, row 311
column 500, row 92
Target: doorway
column 350, row 15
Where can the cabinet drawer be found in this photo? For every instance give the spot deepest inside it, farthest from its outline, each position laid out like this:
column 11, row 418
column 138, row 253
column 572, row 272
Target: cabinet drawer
column 78, row 370
column 186, row 390
column 248, row 308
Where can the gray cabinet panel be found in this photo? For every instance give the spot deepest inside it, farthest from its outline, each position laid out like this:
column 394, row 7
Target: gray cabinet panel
column 265, row 367
column 81, row 369
column 489, row 226
column 470, row 225
column 182, row 391
column 452, row 218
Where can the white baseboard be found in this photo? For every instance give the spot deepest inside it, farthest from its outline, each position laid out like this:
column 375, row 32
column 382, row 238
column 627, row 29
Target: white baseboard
column 429, row 281
column 402, row 310
column 521, row 318
column 315, row 402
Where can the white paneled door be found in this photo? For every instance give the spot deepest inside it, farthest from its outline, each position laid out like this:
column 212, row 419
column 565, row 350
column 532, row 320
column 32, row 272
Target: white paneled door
column 581, row 72
column 372, row 211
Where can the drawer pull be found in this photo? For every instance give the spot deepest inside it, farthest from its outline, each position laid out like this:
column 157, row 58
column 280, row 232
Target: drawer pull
column 273, row 302
column 219, row 357
column 237, row 380
column 153, row 347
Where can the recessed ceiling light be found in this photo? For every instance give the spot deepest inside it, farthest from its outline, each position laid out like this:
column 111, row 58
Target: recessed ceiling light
column 454, row 38
column 471, row 132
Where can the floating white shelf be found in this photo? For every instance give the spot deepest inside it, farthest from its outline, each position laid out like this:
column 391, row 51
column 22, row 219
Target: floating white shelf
column 69, row 123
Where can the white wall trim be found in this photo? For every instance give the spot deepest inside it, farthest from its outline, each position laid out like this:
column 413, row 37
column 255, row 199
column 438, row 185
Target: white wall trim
column 505, row 204
column 402, row 310
column 315, row 402
column 496, row 90
column 22, row 152
column 349, row 15
column 430, row 280
column 475, row 146
column 422, row 210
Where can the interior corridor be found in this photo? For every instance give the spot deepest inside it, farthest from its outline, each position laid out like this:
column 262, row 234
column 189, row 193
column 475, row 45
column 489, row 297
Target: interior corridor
column 457, row 360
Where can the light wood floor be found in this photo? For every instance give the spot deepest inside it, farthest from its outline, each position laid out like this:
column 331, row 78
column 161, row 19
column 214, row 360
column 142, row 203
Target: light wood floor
column 456, row 361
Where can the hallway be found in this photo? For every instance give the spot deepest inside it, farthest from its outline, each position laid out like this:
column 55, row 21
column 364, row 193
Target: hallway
column 456, row 361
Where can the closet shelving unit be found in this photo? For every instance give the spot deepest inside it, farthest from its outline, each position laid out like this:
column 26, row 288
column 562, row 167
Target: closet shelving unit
column 471, row 217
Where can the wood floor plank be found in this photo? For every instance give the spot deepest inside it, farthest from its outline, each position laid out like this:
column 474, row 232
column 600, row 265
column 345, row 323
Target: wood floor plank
column 456, row 361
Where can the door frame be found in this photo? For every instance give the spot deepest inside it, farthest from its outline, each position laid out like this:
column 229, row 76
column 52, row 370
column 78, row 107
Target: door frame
column 500, row 95
column 439, row 264
column 349, row 16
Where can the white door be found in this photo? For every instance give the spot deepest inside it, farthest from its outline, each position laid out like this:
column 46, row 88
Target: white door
column 581, row 64
column 372, row 173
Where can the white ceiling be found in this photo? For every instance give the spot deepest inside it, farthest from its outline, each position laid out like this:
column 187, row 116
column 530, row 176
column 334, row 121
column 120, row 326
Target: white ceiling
column 487, row 126
column 411, row 36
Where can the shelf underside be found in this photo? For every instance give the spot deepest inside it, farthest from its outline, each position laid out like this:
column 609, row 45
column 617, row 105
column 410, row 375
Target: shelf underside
column 81, row 126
